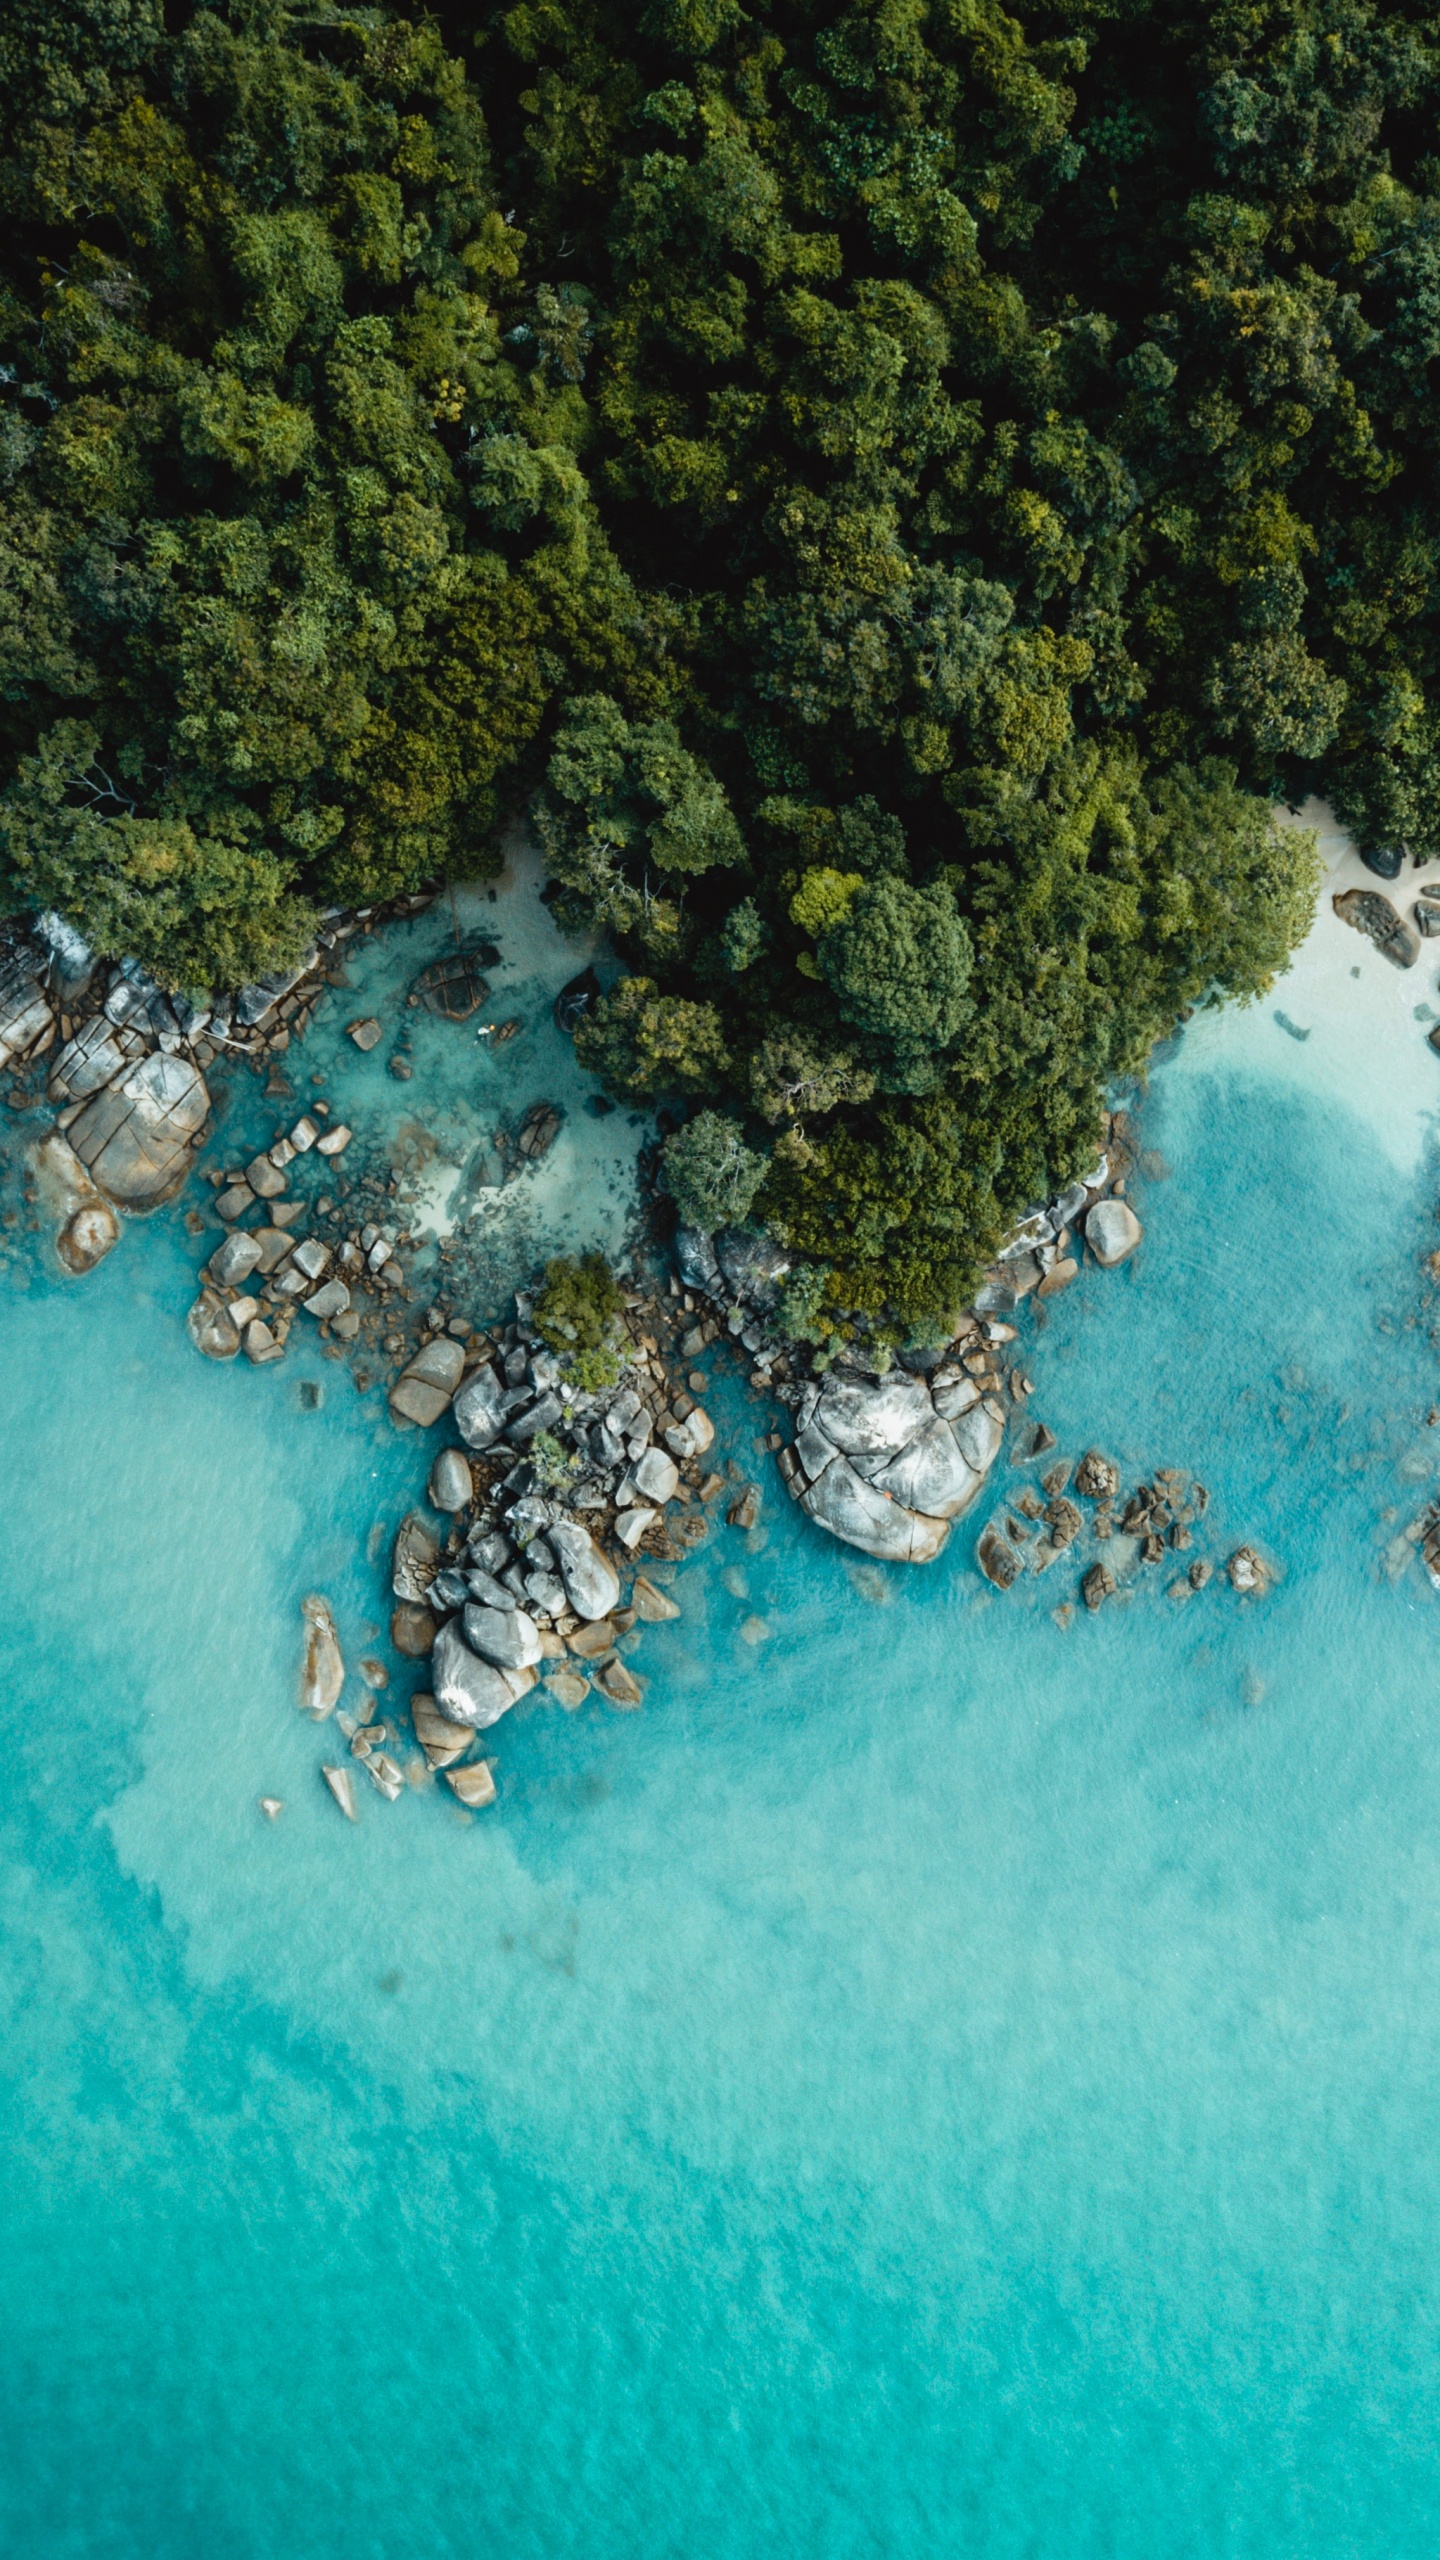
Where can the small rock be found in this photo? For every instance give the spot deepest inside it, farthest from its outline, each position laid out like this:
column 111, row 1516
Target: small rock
column 620, row 1685
column 88, row 1236
column 451, row 1485
column 1097, row 1477
column 335, row 1141
column 592, row 1585
column 657, row 1477
column 1200, row 1573
column 332, row 1300
column 234, row 1260
column 474, row 1784
column 311, row 1257
column 1097, row 1585
column 439, row 1739
column 997, row 1559
column 1247, row 1571
column 590, row 1641
column 211, row 1327
column 567, row 1688
column 1371, row 914
column 1112, row 1231
column 366, row 1032
column 265, row 1179
column 631, row 1525
column 651, row 1604
column 744, row 1511
column 234, row 1201
column 1058, row 1277
column 322, row 1674
column 271, row 1806
column 427, row 1383
column 412, row 1630
column 304, row 1134
column 415, row 1557
column 338, row 1782
column 261, row 1345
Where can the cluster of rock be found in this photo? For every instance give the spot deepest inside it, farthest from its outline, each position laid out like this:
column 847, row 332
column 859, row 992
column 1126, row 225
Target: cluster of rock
column 127, row 1078
column 554, row 1515
column 1153, row 1525
column 257, row 1280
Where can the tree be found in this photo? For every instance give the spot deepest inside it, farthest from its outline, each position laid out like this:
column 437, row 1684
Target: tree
column 898, row 963
column 711, row 1174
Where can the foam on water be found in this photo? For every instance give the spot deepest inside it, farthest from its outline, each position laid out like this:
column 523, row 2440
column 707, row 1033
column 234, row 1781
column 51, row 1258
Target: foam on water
column 934, row 2080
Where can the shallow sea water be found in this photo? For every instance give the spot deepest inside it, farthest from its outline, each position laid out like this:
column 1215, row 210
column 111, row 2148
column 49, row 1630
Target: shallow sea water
column 933, row 2081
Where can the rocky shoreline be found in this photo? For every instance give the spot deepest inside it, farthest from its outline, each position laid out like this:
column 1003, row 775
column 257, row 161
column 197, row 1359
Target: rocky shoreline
column 557, row 1514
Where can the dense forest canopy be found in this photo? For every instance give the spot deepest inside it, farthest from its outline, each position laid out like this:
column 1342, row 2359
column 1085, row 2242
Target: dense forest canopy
column 897, row 492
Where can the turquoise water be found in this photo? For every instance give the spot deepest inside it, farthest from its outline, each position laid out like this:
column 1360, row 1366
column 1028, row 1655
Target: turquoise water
column 936, row 2080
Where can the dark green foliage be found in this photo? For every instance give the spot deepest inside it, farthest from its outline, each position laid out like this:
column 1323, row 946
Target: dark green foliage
column 292, row 535
column 901, row 491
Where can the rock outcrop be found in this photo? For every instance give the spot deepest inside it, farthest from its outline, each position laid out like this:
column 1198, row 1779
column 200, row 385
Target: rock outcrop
column 1371, row 914
column 137, row 1137
column 877, row 1463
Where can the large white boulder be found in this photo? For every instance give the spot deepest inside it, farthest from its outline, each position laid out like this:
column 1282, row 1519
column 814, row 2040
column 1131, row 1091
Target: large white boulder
column 842, row 1502
column 507, row 1637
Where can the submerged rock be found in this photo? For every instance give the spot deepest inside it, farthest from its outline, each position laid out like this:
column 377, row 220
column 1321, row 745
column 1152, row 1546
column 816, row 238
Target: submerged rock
column 441, row 1740
column 416, row 1555
column 997, row 1559
column 474, row 1784
column 88, row 1236
column 212, row 1328
column 322, row 1675
column 652, row 1604
column 412, row 1630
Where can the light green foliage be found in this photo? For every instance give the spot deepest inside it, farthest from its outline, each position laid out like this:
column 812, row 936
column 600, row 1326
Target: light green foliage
column 646, row 1044
column 824, row 899
column 802, row 1315
column 554, row 1464
column 711, row 1174
column 577, row 1312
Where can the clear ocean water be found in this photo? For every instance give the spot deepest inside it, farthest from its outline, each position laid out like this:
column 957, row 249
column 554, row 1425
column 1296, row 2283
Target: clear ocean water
column 934, row 2081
